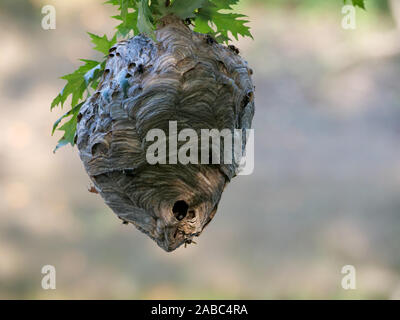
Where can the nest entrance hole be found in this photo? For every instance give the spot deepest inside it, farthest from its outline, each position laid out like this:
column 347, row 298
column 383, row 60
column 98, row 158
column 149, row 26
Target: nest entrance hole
column 180, row 209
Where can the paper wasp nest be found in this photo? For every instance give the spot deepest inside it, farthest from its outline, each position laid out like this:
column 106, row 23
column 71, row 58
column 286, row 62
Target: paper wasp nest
column 185, row 77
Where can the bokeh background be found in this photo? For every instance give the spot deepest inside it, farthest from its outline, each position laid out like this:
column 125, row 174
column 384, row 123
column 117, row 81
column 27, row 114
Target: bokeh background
column 324, row 193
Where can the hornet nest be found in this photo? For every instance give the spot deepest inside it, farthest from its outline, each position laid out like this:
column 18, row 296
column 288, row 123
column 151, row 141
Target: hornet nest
column 183, row 76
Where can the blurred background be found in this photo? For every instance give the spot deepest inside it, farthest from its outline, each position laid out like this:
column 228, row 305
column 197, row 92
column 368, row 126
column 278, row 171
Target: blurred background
column 324, row 193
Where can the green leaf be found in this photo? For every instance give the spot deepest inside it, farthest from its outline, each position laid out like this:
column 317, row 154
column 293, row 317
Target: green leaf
column 68, row 127
column 155, row 7
column 129, row 19
column 57, row 100
column 202, row 26
column 185, row 9
column 76, row 83
column 145, row 24
column 223, row 22
column 129, row 23
column 92, row 74
column 225, row 4
column 102, row 44
column 232, row 23
column 73, row 111
column 357, row 3
column 85, row 77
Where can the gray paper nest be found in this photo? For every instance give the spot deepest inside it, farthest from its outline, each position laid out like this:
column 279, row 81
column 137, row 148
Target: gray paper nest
column 183, row 76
